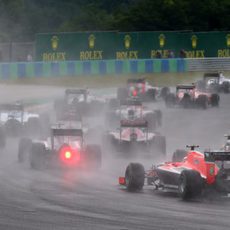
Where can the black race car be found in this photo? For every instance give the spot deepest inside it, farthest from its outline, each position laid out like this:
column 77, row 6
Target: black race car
column 80, row 102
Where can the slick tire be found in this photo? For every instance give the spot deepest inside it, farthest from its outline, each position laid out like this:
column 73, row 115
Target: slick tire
column 13, row 128
column 179, row 155
column 134, row 177
column 226, row 87
column 190, row 184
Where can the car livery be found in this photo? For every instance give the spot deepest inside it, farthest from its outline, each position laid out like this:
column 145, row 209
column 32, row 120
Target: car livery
column 189, row 96
column 191, row 174
column 134, row 109
column 133, row 135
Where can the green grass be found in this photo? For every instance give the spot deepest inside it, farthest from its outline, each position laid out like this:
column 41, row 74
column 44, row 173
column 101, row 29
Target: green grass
column 158, row 79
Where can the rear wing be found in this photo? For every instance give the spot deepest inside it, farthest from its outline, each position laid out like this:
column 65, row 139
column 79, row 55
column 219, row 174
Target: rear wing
column 67, row 132
column 211, row 75
column 216, row 156
column 136, row 81
column 130, row 103
column 185, row 87
column 138, row 123
column 75, row 91
column 11, row 107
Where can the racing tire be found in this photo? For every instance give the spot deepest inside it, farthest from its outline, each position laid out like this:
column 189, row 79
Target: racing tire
column 134, row 177
column 159, row 145
column 151, row 118
column 226, row 87
column 151, row 95
column 37, row 156
column 179, row 155
column 13, row 128
column 202, row 101
column 93, row 156
column 23, row 148
column 190, row 184
column 170, row 100
column 122, row 94
column 164, row 92
column 186, row 101
column 2, row 138
column 214, row 100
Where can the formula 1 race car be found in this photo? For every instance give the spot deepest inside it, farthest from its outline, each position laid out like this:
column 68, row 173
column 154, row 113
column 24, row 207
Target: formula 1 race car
column 192, row 173
column 142, row 89
column 188, row 96
column 81, row 102
column 64, row 148
column 133, row 109
column 133, row 136
column 16, row 121
column 214, row 82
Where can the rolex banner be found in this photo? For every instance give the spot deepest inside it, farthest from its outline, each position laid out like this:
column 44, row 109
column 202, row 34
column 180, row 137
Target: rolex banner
column 131, row 45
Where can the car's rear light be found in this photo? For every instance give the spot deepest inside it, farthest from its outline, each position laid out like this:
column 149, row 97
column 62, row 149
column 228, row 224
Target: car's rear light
column 122, row 180
column 68, row 155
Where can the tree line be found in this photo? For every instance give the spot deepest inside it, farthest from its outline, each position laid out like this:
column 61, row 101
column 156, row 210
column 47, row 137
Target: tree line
column 21, row 20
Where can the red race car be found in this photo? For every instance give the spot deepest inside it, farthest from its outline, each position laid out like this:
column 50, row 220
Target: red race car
column 189, row 174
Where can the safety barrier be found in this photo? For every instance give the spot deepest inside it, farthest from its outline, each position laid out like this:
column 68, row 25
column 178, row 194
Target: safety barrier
column 20, row 70
column 209, row 64
column 80, row 68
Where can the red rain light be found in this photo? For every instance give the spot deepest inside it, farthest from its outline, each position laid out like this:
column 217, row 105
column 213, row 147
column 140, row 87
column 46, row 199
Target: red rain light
column 68, row 155
column 122, row 180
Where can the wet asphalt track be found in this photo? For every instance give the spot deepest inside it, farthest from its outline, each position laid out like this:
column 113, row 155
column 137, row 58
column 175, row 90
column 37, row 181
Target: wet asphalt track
column 88, row 200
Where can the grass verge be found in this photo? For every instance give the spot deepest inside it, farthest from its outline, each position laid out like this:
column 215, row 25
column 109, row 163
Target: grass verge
column 158, row 79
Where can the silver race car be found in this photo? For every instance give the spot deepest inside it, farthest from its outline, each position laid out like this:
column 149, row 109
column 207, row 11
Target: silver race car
column 16, row 121
column 65, row 147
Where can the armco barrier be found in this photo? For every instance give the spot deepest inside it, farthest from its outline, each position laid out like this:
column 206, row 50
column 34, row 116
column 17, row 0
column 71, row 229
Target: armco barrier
column 20, row 70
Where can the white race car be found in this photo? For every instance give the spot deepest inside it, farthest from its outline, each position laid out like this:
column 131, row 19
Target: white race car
column 16, row 121
column 215, row 82
column 133, row 135
column 133, row 109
